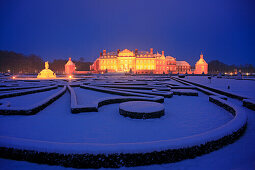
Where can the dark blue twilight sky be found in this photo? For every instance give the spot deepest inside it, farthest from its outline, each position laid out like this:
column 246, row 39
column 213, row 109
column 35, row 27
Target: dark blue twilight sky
column 222, row 29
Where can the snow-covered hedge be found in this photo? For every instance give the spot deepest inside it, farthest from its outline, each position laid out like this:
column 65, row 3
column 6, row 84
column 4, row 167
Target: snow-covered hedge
column 185, row 92
column 96, row 155
column 226, row 93
column 249, row 103
column 32, row 109
column 23, row 87
column 156, row 92
column 204, row 90
column 75, row 108
column 27, row 91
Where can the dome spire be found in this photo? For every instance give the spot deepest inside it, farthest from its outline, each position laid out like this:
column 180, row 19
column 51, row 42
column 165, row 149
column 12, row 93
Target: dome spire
column 201, row 55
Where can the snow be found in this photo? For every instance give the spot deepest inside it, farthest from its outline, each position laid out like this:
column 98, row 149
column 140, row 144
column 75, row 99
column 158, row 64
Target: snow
column 25, row 100
column 55, row 128
column 85, row 96
column 141, row 107
column 108, row 127
column 241, row 87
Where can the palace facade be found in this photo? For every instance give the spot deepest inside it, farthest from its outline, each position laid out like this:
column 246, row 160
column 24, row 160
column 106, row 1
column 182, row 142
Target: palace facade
column 143, row 62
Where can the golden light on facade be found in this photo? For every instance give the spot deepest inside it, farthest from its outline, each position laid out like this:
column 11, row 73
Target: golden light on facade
column 70, row 77
column 144, row 62
column 13, row 77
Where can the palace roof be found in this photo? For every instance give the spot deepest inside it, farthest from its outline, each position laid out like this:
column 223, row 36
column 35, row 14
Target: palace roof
column 70, row 62
column 182, row 63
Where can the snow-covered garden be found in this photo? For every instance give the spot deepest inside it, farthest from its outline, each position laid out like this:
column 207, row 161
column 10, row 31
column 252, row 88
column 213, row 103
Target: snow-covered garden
column 127, row 121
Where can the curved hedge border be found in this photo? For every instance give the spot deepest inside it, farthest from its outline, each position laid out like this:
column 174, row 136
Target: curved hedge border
column 185, row 93
column 28, row 91
column 249, row 103
column 130, row 154
column 206, row 91
column 33, row 109
column 155, row 92
column 22, row 88
column 75, row 108
column 232, row 95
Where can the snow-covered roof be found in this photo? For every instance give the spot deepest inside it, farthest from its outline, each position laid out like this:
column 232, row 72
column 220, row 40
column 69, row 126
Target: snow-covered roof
column 70, row 62
column 182, row 63
column 201, row 60
column 170, row 58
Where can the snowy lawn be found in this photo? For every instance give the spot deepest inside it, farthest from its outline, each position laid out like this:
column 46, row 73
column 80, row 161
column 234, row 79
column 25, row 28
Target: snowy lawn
column 184, row 116
column 88, row 97
column 241, row 87
column 239, row 155
column 29, row 99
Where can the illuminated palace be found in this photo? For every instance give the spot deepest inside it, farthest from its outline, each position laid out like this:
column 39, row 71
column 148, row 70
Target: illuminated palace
column 144, row 62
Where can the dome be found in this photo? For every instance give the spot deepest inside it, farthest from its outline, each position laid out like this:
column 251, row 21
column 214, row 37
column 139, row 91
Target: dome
column 126, row 52
column 182, row 63
column 201, row 61
column 170, row 58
